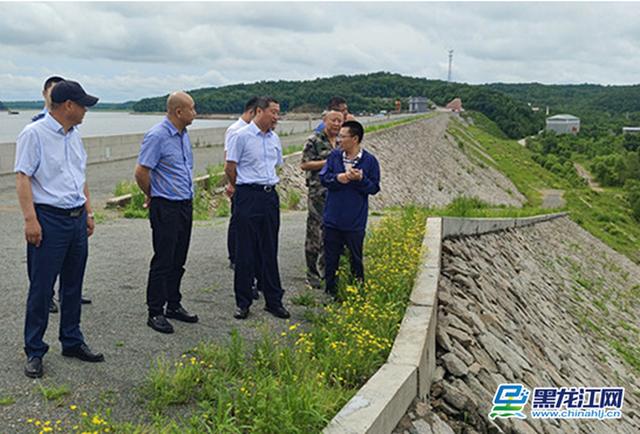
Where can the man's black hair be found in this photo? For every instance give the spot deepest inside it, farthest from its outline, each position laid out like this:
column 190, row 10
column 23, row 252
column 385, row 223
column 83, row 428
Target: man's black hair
column 263, row 102
column 355, row 129
column 51, row 81
column 336, row 102
column 250, row 105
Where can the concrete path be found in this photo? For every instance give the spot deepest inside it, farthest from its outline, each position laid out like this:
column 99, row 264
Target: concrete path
column 115, row 323
column 586, row 175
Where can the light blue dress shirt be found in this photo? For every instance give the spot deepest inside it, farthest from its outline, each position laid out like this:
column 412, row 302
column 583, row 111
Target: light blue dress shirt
column 167, row 152
column 257, row 155
column 55, row 161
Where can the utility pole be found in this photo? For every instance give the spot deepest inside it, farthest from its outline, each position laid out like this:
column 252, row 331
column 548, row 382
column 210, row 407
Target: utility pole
column 450, row 61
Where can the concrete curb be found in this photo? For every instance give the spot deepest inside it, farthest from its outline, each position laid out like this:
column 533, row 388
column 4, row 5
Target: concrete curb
column 456, row 226
column 384, row 399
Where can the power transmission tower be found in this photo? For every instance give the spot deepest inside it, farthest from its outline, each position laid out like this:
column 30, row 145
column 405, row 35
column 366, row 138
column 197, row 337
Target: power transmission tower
column 450, row 61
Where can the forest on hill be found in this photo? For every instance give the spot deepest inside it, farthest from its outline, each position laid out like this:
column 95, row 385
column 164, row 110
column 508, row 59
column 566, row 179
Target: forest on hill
column 37, row 105
column 364, row 93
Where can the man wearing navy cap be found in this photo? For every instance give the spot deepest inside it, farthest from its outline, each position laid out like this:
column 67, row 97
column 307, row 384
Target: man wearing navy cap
column 54, row 197
column 46, row 94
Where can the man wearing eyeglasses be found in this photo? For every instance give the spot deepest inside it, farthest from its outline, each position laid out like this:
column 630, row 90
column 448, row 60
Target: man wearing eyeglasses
column 351, row 174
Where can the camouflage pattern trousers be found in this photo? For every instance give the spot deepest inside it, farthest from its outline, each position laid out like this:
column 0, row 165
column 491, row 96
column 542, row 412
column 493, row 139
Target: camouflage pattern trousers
column 313, row 245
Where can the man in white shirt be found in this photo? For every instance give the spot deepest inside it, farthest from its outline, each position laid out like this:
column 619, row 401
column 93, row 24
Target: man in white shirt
column 244, row 120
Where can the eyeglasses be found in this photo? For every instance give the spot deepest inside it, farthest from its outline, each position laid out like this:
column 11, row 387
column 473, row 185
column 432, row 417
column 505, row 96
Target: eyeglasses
column 342, row 136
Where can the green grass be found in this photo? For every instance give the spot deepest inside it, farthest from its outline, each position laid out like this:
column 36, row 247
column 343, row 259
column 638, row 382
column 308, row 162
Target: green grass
column 510, row 158
column 292, row 149
column 223, row 209
column 7, row 400
column 307, row 299
column 216, row 176
column 297, row 381
column 605, row 215
column 407, row 120
column 290, row 200
column 54, row 393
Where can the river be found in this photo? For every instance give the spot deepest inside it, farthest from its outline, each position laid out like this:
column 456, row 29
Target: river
column 101, row 123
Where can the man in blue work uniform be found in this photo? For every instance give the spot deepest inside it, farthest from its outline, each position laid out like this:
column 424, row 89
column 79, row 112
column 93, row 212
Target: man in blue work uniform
column 350, row 175
column 254, row 153
column 54, row 198
column 164, row 174
column 46, row 95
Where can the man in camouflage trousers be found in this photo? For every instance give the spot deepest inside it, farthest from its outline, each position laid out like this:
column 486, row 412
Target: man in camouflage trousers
column 316, row 150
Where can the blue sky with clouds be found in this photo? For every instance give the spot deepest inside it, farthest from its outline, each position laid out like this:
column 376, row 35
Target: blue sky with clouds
column 126, row 51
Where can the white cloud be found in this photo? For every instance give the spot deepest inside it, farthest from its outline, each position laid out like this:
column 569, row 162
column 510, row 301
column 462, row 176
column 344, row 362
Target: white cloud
column 132, row 50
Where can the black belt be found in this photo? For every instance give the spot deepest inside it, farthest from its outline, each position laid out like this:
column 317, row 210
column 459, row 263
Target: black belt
column 68, row 212
column 171, row 201
column 258, row 187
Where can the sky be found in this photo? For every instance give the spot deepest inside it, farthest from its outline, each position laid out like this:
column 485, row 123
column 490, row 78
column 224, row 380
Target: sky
column 130, row 50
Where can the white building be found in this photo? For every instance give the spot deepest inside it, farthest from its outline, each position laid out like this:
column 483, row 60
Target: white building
column 563, row 124
column 418, row 104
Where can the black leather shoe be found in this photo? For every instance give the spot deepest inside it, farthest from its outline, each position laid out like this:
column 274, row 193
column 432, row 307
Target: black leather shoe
column 279, row 311
column 33, row 368
column 53, row 306
column 84, row 353
column 160, row 324
column 85, row 300
column 180, row 314
column 241, row 313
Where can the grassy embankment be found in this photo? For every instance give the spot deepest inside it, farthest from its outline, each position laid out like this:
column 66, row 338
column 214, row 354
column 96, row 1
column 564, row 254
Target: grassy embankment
column 292, row 383
column 606, row 215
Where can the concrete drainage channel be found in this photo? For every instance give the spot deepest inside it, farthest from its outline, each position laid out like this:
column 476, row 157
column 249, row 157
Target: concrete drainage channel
column 384, row 399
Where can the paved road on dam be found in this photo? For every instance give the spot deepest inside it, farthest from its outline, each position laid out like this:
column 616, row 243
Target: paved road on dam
column 115, row 323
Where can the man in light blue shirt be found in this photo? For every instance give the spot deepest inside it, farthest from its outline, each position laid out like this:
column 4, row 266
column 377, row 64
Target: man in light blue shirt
column 46, row 94
column 243, row 121
column 54, row 198
column 164, row 174
column 254, row 152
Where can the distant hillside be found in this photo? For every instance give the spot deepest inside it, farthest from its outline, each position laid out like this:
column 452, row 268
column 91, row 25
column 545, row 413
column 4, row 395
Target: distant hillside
column 2, row 107
column 580, row 100
column 37, row 105
column 365, row 93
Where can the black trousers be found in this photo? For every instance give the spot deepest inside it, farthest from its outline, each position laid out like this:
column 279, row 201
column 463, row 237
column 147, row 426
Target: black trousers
column 171, row 232
column 334, row 242
column 231, row 234
column 257, row 215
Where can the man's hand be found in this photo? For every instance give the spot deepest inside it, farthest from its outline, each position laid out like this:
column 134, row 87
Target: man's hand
column 230, row 190
column 33, row 231
column 91, row 225
column 355, row 174
column 343, row 178
column 147, row 202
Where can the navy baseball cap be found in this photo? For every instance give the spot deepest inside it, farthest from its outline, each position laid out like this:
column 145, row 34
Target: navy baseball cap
column 71, row 90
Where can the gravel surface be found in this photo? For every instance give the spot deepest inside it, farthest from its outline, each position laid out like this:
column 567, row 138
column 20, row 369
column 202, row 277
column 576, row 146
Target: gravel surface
column 115, row 323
